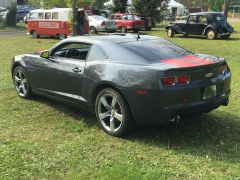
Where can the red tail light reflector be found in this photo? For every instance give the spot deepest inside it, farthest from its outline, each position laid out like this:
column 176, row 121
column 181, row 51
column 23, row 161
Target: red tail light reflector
column 183, row 79
column 168, row 81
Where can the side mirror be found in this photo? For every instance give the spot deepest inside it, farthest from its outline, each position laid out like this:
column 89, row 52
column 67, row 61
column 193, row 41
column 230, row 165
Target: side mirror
column 45, row 54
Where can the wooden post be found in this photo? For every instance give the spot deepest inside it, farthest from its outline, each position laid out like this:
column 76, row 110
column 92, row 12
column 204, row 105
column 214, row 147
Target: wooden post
column 74, row 9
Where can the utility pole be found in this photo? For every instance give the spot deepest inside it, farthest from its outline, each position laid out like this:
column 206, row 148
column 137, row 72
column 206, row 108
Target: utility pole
column 225, row 8
column 74, row 9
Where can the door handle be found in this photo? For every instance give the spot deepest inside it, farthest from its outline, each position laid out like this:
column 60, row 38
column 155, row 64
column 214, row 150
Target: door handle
column 77, row 70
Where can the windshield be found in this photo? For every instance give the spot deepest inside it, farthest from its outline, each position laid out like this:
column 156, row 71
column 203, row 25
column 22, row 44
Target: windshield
column 156, row 50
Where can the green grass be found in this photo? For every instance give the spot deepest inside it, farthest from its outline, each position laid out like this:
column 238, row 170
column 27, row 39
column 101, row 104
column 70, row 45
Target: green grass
column 43, row 139
column 19, row 27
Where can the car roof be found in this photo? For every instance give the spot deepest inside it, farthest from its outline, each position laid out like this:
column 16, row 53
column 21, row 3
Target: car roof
column 205, row 13
column 114, row 38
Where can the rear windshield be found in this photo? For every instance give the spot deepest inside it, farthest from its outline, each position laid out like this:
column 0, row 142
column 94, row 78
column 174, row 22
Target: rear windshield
column 156, row 50
column 220, row 17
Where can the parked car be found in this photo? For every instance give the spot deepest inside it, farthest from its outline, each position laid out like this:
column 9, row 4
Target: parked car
column 126, row 22
column 101, row 24
column 3, row 12
column 147, row 23
column 209, row 24
column 125, row 79
column 21, row 14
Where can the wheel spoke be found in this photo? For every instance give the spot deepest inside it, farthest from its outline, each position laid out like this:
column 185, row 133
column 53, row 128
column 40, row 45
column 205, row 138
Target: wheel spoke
column 104, row 102
column 112, row 124
column 17, row 79
column 118, row 116
column 114, row 101
column 24, row 81
column 20, row 75
column 24, row 89
column 104, row 115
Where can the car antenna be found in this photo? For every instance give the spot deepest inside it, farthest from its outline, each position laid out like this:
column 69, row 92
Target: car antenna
column 138, row 37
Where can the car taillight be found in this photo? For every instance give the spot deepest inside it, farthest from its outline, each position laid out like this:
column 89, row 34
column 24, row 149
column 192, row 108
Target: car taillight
column 172, row 81
column 183, row 79
column 103, row 23
column 223, row 69
column 168, row 81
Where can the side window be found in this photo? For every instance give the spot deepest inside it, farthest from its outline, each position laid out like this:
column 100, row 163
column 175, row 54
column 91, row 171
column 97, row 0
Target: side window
column 111, row 17
column 96, row 53
column 33, row 16
column 55, row 15
column 203, row 20
column 40, row 15
column 73, row 50
column 192, row 19
column 118, row 18
column 48, row 15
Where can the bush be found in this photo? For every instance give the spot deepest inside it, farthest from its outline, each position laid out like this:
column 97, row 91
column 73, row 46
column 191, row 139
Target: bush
column 2, row 23
column 11, row 16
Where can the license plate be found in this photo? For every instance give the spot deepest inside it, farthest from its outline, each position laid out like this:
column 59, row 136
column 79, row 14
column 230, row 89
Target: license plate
column 210, row 92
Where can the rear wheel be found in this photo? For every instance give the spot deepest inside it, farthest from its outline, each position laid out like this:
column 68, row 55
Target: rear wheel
column 170, row 32
column 112, row 113
column 21, row 82
column 35, row 34
column 92, row 30
column 123, row 29
column 211, row 34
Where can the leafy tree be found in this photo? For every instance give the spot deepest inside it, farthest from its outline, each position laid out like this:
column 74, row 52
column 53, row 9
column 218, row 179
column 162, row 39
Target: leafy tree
column 148, row 7
column 119, row 5
column 11, row 15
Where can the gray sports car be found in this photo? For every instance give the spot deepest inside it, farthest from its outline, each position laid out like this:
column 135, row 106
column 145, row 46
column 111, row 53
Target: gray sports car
column 125, row 79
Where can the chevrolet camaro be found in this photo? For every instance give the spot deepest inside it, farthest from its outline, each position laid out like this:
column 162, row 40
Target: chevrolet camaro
column 125, row 79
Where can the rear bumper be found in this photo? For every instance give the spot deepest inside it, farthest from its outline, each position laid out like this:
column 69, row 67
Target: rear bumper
column 159, row 106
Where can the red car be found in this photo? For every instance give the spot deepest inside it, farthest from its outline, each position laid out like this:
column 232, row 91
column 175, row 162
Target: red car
column 125, row 22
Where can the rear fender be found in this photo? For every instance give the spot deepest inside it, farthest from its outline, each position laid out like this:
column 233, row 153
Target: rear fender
column 207, row 28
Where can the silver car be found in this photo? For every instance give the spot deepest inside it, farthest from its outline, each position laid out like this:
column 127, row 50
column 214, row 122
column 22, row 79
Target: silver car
column 101, row 24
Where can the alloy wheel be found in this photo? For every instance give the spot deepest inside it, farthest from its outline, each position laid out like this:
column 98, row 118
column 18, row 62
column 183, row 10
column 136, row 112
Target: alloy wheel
column 21, row 82
column 109, row 111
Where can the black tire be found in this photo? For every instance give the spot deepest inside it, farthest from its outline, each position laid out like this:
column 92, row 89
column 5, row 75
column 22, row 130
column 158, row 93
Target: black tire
column 62, row 36
column 92, row 30
column 112, row 112
column 123, row 29
column 35, row 34
column 170, row 32
column 211, row 34
column 21, row 83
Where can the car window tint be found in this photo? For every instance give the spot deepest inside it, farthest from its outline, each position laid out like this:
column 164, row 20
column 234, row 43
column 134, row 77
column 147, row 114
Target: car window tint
column 48, row 15
column 192, row 20
column 55, row 15
column 156, row 50
column 202, row 20
column 96, row 53
column 72, row 51
column 40, row 15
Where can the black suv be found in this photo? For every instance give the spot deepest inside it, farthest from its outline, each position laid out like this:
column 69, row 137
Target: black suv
column 209, row 24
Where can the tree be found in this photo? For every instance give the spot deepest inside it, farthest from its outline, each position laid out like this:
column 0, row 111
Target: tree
column 120, row 5
column 11, row 15
column 148, row 7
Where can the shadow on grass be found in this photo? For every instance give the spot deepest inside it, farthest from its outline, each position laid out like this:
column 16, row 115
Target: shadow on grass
column 214, row 136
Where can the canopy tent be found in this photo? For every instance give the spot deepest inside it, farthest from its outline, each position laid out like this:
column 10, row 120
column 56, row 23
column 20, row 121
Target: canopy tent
column 176, row 8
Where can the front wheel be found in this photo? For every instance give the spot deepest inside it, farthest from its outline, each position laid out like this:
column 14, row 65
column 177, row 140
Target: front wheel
column 92, row 30
column 211, row 34
column 123, row 29
column 62, row 36
column 21, row 82
column 112, row 113
column 170, row 32
column 35, row 34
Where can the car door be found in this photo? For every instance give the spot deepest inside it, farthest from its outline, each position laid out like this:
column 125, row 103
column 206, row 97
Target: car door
column 62, row 74
column 202, row 24
column 118, row 19
column 191, row 26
